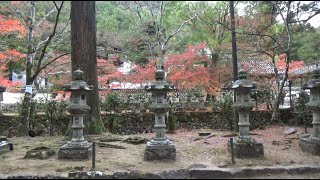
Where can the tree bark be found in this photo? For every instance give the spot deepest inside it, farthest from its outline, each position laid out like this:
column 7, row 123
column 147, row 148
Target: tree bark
column 234, row 60
column 25, row 109
column 83, row 56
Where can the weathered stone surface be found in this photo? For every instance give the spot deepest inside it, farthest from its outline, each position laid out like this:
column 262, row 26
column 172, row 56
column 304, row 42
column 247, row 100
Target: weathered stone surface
column 191, row 173
column 288, row 131
column 75, row 152
column 160, row 152
column 4, row 147
column 132, row 123
column 246, row 149
column 36, row 177
column 136, row 140
column 40, row 153
column 103, row 144
column 110, row 139
column 310, row 146
column 204, row 133
column 198, row 166
column 175, row 174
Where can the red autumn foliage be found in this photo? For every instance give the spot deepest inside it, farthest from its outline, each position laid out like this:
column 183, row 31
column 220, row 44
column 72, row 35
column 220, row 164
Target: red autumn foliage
column 293, row 65
column 191, row 69
column 11, row 25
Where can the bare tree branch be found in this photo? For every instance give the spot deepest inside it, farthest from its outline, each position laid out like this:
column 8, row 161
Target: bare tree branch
column 49, row 40
column 174, row 33
column 53, row 60
column 45, row 17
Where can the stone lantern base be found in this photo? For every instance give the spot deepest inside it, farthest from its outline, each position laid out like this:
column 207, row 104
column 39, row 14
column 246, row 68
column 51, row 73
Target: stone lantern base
column 76, row 150
column 310, row 144
column 246, row 148
column 159, row 150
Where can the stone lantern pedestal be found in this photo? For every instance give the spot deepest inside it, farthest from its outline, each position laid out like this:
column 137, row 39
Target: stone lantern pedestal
column 311, row 144
column 159, row 147
column 244, row 145
column 77, row 148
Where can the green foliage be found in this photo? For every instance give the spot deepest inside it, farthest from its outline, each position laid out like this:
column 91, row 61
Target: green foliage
column 114, row 18
column 225, row 103
column 225, row 107
column 111, row 101
column 56, row 120
column 112, row 122
column 172, row 122
column 306, row 46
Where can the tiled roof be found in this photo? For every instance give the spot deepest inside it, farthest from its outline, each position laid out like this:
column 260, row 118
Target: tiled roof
column 256, row 65
column 260, row 66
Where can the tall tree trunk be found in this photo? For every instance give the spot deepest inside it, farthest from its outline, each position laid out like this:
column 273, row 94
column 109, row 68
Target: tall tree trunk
column 275, row 112
column 25, row 110
column 234, row 60
column 83, row 56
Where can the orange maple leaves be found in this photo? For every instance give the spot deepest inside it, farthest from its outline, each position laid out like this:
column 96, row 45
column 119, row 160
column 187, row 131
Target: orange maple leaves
column 11, row 25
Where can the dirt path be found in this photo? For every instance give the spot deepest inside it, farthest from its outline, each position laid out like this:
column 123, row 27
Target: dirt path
column 279, row 149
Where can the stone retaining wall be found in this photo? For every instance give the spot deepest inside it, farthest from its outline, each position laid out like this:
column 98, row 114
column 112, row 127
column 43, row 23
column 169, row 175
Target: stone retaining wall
column 138, row 122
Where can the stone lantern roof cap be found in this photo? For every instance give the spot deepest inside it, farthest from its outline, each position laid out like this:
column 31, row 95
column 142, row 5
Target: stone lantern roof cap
column 243, row 82
column 78, row 84
column 315, row 81
column 160, row 84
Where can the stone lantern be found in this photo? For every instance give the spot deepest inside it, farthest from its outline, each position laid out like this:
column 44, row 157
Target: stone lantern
column 77, row 148
column 244, row 145
column 311, row 143
column 159, row 147
column 2, row 89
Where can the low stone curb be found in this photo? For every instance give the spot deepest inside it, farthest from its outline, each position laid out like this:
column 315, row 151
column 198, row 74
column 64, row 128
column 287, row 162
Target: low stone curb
column 203, row 173
column 192, row 173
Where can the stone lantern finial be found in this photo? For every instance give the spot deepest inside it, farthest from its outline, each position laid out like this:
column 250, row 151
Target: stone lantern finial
column 242, row 74
column 78, row 75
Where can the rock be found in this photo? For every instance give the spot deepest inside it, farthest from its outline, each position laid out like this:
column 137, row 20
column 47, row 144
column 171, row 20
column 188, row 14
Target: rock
column 286, row 148
column 198, row 166
column 110, row 139
column 32, row 133
column 288, row 131
column 222, row 164
column 136, row 140
column 230, row 135
column 78, row 168
column 304, row 135
column 252, row 133
column 210, row 136
column 40, row 153
column 204, row 133
column 103, row 144
column 197, row 138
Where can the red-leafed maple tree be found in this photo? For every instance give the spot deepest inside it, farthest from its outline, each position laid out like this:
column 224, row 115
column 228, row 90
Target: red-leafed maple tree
column 191, row 69
column 11, row 25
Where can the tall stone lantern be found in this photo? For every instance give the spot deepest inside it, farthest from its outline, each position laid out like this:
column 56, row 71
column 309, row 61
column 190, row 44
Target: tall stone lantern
column 159, row 147
column 244, row 145
column 311, row 143
column 77, row 148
